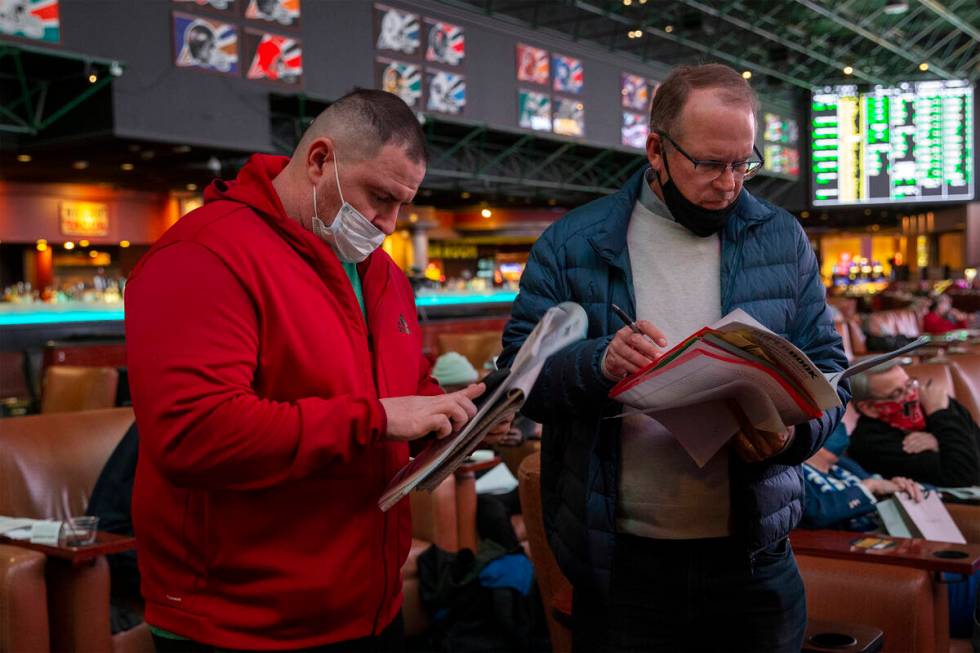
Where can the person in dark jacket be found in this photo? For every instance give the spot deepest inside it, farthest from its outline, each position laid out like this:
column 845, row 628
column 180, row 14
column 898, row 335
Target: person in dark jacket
column 842, row 495
column 913, row 430
column 665, row 555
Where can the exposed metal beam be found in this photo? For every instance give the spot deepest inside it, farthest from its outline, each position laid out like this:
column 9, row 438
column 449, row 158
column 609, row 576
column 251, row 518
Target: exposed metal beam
column 776, row 38
column 951, row 18
column 624, row 171
column 874, row 38
column 591, row 164
column 460, row 144
column 521, row 142
column 551, row 158
column 695, row 45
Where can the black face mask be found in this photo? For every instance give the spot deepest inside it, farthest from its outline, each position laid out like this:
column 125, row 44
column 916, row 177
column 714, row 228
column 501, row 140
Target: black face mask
column 699, row 221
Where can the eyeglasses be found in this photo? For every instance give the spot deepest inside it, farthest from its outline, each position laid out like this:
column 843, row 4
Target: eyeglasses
column 713, row 169
column 895, row 395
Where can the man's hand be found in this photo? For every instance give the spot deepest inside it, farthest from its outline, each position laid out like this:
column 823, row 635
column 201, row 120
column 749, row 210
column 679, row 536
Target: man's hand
column 754, row 445
column 503, row 433
column 884, row 487
column 629, row 352
column 919, row 441
column 410, row 418
column 933, row 397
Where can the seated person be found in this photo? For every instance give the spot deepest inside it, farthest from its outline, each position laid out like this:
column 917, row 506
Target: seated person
column 916, row 432
column 942, row 317
column 110, row 502
column 840, row 495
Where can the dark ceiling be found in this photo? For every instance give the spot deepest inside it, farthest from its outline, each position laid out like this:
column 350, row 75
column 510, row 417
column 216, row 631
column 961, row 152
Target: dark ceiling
column 784, row 43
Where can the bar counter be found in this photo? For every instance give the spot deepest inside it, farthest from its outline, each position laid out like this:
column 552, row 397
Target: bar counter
column 30, row 326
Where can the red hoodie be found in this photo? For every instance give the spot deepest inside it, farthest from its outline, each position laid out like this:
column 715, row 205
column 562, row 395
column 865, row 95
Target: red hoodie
column 255, row 382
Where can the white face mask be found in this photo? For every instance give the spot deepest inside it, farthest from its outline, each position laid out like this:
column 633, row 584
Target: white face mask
column 352, row 236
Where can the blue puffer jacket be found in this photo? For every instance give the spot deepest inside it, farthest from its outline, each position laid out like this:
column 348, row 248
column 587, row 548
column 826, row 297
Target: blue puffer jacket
column 768, row 269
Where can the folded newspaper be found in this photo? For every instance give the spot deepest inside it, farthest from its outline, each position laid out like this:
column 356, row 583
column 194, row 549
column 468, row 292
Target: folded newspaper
column 560, row 326
column 690, row 388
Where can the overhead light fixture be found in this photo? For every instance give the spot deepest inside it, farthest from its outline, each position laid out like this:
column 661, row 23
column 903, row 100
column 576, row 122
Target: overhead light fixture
column 115, row 69
column 896, row 8
column 24, row 158
column 69, row 245
column 635, row 33
column 627, row 3
column 804, row 214
column 191, row 187
column 126, row 166
column 80, row 165
column 923, row 66
column 93, row 254
column 669, row 29
column 182, row 149
column 465, row 195
column 92, row 78
column 486, row 213
column 83, row 243
column 746, row 74
column 848, row 70
column 41, row 245
column 124, row 243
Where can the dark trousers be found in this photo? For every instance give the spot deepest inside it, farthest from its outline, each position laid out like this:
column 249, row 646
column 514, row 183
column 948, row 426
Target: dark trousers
column 695, row 595
column 391, row 640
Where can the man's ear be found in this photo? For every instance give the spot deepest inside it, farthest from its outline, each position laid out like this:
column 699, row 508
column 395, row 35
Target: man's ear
column 319, row 152
column 655, row 151
column 867, row 408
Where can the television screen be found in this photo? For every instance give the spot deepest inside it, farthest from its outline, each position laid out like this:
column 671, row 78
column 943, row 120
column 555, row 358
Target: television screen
column 780, row 142
column 909, row 143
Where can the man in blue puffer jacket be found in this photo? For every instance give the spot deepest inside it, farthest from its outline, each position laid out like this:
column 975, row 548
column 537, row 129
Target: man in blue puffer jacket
column 663, row 554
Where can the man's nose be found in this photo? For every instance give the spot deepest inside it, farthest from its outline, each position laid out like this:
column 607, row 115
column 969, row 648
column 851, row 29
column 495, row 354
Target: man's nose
column 726, row 180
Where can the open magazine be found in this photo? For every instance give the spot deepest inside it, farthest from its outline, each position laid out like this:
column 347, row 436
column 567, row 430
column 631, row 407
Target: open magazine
column 560, row 326
column 691, row 387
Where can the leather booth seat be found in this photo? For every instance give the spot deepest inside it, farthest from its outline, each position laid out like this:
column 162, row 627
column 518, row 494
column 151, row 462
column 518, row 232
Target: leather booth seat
column 49, row 467
column 73, row 388
column 897, row 322
column 49, row 464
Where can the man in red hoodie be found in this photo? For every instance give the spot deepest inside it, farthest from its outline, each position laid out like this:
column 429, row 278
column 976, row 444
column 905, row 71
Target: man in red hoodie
column 276, row 371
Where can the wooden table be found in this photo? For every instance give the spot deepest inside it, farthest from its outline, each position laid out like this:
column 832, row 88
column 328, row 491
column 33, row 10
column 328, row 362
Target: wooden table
column 105, row 543
column 907, row 552
column 866, row 639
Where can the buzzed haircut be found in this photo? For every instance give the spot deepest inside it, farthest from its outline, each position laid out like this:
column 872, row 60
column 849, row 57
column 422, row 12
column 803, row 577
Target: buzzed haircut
column 364, row 121
column 671, row 96
column 861, row 383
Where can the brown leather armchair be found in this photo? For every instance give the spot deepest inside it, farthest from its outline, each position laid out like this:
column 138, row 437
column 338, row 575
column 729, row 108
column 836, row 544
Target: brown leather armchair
column 23, row 601
column 50, row 464
column 71, row 388
column 556, row 591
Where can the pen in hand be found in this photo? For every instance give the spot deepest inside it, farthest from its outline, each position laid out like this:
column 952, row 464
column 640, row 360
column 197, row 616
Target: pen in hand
column 626, row 319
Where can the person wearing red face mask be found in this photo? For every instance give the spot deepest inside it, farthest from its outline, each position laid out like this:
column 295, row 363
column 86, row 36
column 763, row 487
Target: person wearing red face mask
column 913, row 430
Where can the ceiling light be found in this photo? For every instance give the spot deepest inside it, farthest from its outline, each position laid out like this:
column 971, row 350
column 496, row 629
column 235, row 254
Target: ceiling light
column 126, row 166
column 42, row 245
column 804, row 214
column 746, row 74
column 24, row 158
column 465, row 195
column 83, row 243
column 486, row 213
column 191, row 187
column 124, row 243
column 80, row 165
column 669, row 29
column 896, row 8
column 69, row 245
column 923, row 66
column 848, row 70
column 115, row 69
column 92, row 78
column 93, row 254
column 627, row 3
column 182, row 149
column 552, row 202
